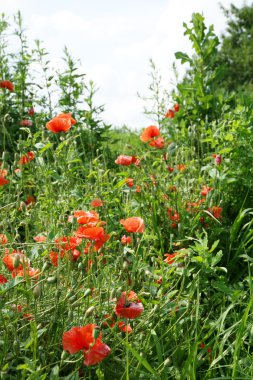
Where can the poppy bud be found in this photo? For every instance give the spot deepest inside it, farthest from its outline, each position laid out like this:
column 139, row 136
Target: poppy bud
column 52, row 280
column 125, row 265
column 87, row 292
column 89, row 311
column 37, row 291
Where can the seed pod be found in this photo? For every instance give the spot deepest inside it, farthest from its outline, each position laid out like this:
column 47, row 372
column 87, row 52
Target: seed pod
column 72, row 299
column 125, row 265
column 81, row 266
column 52, row 280
column 87, row 292
column 37, row 291
column 89, row 311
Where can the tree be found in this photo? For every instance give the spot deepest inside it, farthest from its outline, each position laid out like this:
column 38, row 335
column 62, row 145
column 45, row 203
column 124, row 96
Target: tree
column 236, row 50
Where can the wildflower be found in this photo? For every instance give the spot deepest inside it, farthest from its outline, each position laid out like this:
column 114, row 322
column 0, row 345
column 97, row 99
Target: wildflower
column 216, row 211
column 83, row 338
column 170, row 114
column 138, row 189
column 26, row 123
column 173, row 215
column 3, row 239
column 205, row 190
column 176, row 107
column 15, row 260
column 126, row 240
column 31, row 111
column 54, row 257
column 90, row 218
column 170, row 257
column 29, row 156
column 129, row 306
column 97, row 202
column 125, row 328
column 149, row 133
column 218, row 159
column 181, row 167
column 3, row 172
column 170, row 169
column 157, row 143
column 67, row 242
column 7, row 84
column 130, row 182
column 133, row 224
column 3, row 181
column 125, row 160
column 40, row 238
column 61, row 123
column 26, row 272
column 92, row 233
column 3, row 279
column 30, row 200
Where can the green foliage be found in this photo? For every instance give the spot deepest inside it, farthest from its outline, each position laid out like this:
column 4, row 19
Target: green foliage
column 191, row 268
column 236, row 50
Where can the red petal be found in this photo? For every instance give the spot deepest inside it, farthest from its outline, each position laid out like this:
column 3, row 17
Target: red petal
column 97, row 353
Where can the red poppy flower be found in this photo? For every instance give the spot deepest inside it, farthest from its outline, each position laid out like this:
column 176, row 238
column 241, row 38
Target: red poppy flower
column 92, row 233
column 54, row 257
column 125, row 328
column 82, row 338
column 3, row 279
column 100, row 242
column 3, row 181
column 149, row 133
column 30, row 200
column 3, row 239
column 170, row 258
column 91, row 218
column 216, row 211
column 157, row 143
column 134, row 224
column 138, row 189
column 129, row 306
column 7, row 84
column 170, row 114
column 205, row 190
column 40, row 238
column 61, row 123
column 3, row 172
column 176, row 107
column 125, row 160
column 170, row 169
column 129, row 182
column 16, row 258
column 26, row 123
column 31, row 111
column 29, row 156
column 97, row 202
column 173, row 215
column 68, row 242
column 181, row 167
column 26, row 272
column 126, row 240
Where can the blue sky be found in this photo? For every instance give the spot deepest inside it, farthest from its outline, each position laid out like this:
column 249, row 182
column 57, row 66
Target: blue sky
column 114, row 40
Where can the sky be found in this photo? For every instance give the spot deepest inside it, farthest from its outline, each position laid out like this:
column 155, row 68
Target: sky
column 115, row 40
